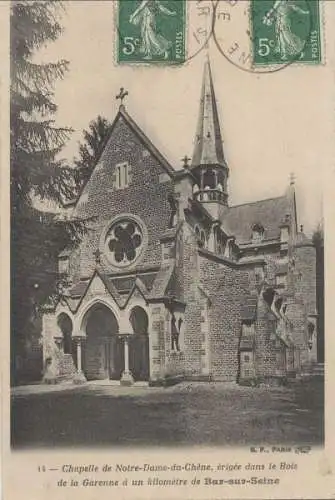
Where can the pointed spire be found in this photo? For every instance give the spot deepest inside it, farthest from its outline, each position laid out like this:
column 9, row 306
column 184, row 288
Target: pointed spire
column 290, row 194
column 208, row 149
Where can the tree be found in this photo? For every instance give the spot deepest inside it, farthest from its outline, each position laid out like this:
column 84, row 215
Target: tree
column 36, row 170
column 91, row 149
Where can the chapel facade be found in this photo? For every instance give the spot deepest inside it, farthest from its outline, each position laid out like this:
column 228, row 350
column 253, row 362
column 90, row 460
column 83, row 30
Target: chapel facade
column 172, row 282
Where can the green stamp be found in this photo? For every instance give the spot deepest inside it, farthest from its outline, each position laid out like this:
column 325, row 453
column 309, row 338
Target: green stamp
column 151, row 31
column 285, row 31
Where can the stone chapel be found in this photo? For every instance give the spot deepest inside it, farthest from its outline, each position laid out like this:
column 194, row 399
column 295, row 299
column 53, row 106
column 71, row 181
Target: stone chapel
column 171, row 282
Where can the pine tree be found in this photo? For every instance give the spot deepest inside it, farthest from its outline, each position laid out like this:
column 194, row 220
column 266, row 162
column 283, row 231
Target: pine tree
column 91, row 149
column 36, row 170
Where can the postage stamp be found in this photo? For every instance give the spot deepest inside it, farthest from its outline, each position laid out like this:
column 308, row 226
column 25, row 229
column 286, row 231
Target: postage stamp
column 151, row 31
column 285, row 31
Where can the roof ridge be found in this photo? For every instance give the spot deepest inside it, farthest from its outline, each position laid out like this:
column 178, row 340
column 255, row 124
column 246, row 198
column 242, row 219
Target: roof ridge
column 137, row 129
column 142, row 135
column 258, row 201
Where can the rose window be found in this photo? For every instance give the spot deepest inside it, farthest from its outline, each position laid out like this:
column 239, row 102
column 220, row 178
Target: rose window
column 124, row 241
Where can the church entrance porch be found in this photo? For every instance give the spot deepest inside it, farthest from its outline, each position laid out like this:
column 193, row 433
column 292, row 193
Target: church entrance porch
column 103, row 355
column 110, row 354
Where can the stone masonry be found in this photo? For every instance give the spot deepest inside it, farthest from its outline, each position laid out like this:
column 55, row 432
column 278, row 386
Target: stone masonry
column 171, row 282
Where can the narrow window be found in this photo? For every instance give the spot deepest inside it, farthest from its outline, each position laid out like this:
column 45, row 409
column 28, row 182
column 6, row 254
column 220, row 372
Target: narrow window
column 125, row 175
column 122, row 176
column 118, row 177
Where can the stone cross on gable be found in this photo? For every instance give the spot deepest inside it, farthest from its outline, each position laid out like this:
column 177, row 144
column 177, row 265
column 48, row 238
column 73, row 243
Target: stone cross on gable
column 185, row 161
column 122, row 94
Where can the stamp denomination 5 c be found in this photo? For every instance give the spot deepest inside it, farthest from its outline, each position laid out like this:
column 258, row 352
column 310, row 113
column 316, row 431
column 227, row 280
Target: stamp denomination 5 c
column 151, row 31
column 285, row 30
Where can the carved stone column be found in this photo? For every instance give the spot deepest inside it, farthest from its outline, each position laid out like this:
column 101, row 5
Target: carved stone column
column 127, row 377
column 79, row 377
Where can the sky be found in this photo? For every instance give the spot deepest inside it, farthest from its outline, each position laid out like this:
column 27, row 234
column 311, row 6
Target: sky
column 272, row 124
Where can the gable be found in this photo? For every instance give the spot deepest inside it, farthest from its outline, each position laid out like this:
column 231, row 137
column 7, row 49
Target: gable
column 99, row 285
column 147, row 169
column 144, row 198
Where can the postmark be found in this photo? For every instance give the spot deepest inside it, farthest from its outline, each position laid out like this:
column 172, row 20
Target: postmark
column 200, row 20
column 247, row 33
column 151, row 31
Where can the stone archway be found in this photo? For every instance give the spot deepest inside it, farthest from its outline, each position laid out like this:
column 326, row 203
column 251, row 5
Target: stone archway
column 139, row 363
column 67, row 361
column 103, row 356
column 65, row 325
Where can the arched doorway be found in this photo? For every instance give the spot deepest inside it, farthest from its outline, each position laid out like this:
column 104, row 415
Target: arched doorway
column 104, row 351
column 66, row 327
column 139, row 344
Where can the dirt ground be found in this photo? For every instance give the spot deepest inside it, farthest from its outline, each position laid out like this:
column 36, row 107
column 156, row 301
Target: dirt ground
column 214, row 414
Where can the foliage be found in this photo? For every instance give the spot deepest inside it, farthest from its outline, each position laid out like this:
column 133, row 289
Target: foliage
column 91, row 149
column 36, row 171
column 35, row 140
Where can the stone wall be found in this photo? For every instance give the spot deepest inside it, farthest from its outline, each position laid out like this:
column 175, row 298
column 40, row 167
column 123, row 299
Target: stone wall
column 146, row 196
column 227, row 288
column 305, row 276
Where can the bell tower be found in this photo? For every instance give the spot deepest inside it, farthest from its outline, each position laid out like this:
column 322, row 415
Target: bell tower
column 208, row 165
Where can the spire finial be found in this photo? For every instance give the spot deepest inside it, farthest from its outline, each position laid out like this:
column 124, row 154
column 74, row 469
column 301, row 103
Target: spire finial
column 292, row 179
column 122, row 94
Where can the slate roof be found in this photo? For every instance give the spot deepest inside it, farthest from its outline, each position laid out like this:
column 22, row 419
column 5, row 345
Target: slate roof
column 302, row 240
column 78, row 289
column 239, row 219
column 110, row 287
column 124, row 284
column 162, row 281
column 208, row 149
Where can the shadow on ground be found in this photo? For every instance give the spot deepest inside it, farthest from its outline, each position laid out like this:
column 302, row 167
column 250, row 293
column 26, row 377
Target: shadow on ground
column 187, row 414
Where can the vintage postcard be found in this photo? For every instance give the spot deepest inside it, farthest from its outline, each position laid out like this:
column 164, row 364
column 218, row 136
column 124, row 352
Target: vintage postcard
column 168, row 176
